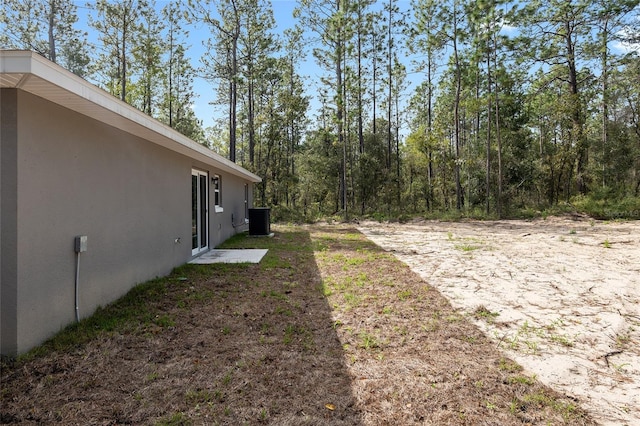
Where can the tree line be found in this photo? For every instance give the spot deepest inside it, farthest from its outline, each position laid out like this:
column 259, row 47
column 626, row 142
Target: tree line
column 486, row 107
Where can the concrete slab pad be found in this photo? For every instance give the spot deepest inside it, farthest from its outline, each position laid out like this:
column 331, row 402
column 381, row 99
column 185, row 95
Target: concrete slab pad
column 231, row 256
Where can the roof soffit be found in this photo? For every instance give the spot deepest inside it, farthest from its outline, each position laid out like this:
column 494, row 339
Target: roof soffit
column 32, row 73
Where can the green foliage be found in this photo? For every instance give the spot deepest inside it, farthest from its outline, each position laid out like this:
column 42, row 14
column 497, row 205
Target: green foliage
column 286, row 214
column 599, row 206
column 491, row 137
column 47, row 27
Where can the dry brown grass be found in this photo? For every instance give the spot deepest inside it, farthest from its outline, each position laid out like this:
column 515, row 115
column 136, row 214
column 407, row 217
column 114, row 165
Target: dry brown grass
column 328, row 329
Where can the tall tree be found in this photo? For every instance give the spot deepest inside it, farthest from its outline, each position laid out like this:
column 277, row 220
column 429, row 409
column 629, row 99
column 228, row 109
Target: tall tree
column 148, row 49
column 453, row 20
column 296, row 104
column 175, row 106
column 610, row 20
column 330, row 20
column 47, row 27
column 425, row 39
column 221, row 61
column 256, row 44
column 554, row 34
column 117, row 24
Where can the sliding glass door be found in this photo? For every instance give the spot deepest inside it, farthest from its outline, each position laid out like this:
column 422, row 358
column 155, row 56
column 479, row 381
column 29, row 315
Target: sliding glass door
column 199, row 212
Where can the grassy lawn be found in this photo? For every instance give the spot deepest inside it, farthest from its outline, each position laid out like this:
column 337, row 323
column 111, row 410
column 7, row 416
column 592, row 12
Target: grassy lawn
column 327, row 329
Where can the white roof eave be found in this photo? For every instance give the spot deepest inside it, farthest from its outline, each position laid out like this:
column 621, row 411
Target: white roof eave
column 31, row 72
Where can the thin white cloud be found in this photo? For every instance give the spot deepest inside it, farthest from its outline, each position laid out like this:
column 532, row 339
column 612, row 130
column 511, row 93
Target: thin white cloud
column 622, row 47
column 508, row 29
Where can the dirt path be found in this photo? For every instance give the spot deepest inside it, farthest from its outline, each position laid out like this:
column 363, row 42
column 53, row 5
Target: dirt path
column 560, row 296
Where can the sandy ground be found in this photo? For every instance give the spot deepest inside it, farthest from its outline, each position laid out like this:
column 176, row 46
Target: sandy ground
column 559, row 296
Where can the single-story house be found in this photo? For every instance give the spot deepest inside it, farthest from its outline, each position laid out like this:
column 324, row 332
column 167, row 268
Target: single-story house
column 95, row 197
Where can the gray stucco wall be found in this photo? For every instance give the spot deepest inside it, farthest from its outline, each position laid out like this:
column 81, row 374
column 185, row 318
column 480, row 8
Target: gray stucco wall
column 130, row 197
column 8, row 220
column 232, row 193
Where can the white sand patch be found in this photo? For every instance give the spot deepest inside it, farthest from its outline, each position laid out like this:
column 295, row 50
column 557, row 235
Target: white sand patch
column 566, row 294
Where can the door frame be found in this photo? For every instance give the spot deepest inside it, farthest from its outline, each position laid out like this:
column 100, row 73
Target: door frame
column 199, row 211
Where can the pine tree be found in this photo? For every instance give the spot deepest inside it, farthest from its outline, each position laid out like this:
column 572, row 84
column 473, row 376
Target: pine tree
column 47, row 27
column 117, row 24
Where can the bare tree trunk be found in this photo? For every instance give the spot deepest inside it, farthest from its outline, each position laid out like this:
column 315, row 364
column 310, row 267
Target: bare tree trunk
column 498, row 132
column 456, row 115
column 340, row 117
column 52, row 23
column 488, row 172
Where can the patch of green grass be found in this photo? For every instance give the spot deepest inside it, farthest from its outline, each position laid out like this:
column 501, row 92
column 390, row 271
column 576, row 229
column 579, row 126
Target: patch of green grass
column 274, row 294
column 404, row 294
column 273, row 261
column 467, row 247
column 523, row 380
column 265, row 328
column 528, row 330
column 481, row 312
column 226, row 380
column 431, row 325
column 620, row 368
column 623, row 339
column 531, row 335
column 289, row 332
column 469, row 339
column 566, row 409
column 283, row 311
column 264, row 414
column 352, row 300
column 298, row 334
column 151, row 376
column 453, row 318
column 361, row 279
column 368, row 341
column 132, row 311
column 532, row 345
column 326, row 287
column 354, row 237
column 509, row 366
column 218, row 395
column 562, row 340
column 176, row 419
column 198, row 396
column 164, row 321
column 491, row 406
column 199, row 295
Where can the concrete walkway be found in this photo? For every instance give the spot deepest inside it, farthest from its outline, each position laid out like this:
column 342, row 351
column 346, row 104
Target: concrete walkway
column 231, row 256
